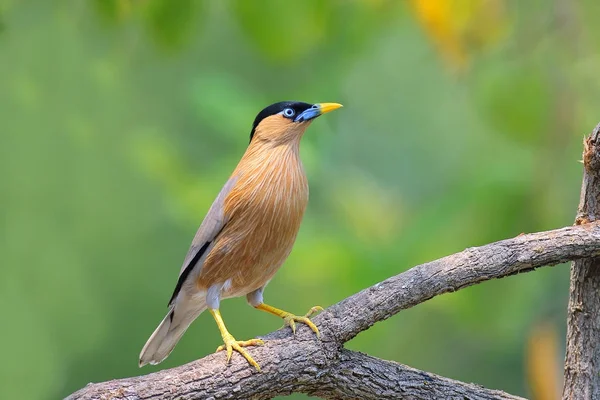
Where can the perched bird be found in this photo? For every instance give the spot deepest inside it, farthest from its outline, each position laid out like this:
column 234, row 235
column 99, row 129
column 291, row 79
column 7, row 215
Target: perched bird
column 247, row 233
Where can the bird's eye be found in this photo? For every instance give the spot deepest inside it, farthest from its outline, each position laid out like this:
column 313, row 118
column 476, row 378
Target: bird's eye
column 289, row 112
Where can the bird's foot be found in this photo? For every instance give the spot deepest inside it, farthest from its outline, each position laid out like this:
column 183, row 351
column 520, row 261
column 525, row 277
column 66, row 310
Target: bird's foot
column 238, row 345
column 291, row 319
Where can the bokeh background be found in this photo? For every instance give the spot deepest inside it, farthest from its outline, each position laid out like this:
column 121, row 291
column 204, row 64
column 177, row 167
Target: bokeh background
column 121, row 120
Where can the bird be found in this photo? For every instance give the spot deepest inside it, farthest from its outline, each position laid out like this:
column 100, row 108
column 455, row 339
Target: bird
column 246, row 235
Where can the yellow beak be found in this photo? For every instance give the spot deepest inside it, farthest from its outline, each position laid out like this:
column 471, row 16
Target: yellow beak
column 327, row 107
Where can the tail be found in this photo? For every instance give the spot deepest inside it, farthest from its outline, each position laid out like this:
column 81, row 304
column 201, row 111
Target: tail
column 171, row 329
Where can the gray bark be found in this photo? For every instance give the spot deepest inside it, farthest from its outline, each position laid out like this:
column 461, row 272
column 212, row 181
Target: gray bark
column 351, row 376
column 582, row 361
column 323, row 368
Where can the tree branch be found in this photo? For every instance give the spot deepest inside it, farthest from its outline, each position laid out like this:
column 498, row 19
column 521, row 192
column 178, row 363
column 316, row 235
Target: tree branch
column 358, row 375
column 582, row 361
column 303, row 364
column 352, row 376
column 471, row 266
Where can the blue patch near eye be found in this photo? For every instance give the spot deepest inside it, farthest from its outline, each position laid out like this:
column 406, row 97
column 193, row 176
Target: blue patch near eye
column 308, row 114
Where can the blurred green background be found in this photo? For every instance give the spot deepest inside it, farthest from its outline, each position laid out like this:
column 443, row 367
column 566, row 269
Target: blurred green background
column 121, row 120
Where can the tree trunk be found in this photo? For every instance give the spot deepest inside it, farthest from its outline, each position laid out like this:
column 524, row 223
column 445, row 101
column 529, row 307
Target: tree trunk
column 582, row 361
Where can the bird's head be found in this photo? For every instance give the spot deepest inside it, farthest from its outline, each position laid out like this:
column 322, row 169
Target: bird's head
column 286, row 121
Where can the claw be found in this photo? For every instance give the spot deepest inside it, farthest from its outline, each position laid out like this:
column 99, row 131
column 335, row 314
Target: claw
column 291, row 319
column 231, row 344
column 313, row 310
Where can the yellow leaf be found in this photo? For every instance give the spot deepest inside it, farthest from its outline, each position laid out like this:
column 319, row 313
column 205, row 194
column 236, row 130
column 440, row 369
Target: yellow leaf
column 459, row 28
column 542, row 363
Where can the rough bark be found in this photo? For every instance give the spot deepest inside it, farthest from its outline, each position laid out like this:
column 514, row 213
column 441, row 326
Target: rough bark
column 582, row 361
column 324, row 368
column 352, row 376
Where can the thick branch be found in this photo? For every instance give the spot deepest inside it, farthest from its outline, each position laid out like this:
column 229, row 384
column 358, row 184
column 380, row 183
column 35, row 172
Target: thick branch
column 358, row 375
column 352, row 376
column 582, row 361
column 302, row 364
column 471, row 266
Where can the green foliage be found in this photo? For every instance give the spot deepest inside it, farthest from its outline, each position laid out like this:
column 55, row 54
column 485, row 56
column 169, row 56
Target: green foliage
column 122, row 120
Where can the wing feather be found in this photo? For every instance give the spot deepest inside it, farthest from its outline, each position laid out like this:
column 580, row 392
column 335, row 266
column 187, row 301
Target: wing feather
column 213, row 223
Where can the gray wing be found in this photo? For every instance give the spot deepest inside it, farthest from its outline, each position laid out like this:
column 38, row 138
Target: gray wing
column 211, row 226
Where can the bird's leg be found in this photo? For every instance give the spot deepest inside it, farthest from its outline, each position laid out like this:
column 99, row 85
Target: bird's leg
column 255, row 299
column 291, row 319
column 232, row 344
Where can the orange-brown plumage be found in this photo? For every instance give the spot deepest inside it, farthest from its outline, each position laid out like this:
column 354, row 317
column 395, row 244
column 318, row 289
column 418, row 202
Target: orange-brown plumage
column 247, row 233
column 265, row 209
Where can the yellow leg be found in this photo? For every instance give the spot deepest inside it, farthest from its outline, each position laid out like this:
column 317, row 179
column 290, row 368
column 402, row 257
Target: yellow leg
column 291, row 319
column 232, row 344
